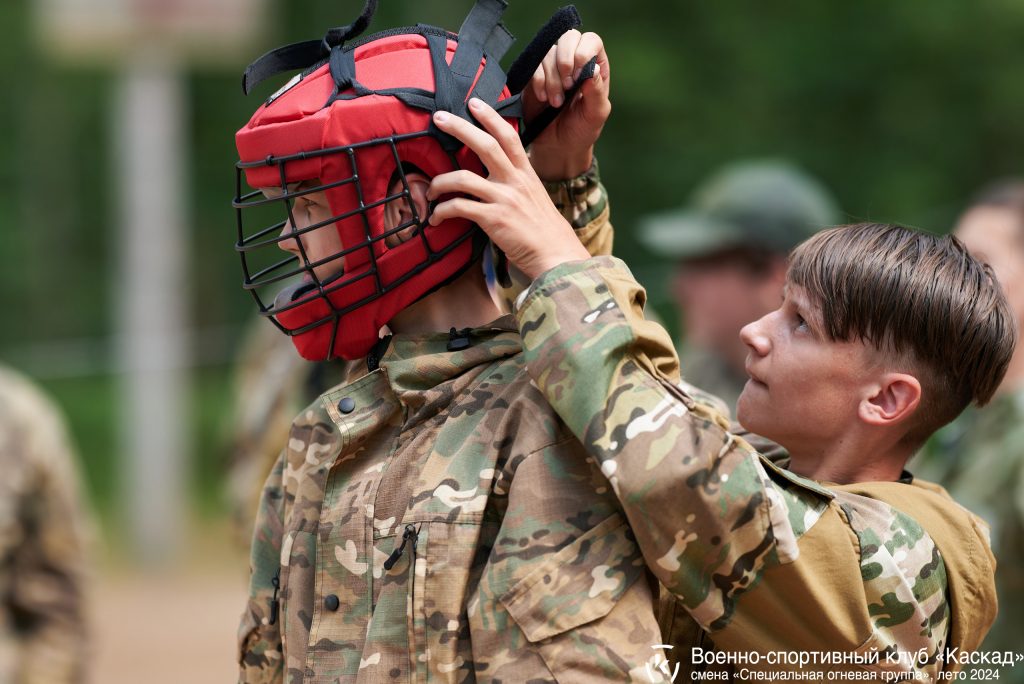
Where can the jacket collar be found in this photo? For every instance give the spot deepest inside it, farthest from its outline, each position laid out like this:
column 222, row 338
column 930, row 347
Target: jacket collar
column 417, row 363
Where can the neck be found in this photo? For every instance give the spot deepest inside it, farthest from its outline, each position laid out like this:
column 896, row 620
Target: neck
column 852, row 460
column 464, row 303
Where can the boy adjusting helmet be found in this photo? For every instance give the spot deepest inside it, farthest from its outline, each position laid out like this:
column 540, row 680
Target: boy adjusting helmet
column 345, row 139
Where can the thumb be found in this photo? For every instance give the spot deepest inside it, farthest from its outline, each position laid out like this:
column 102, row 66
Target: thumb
column 594, row 101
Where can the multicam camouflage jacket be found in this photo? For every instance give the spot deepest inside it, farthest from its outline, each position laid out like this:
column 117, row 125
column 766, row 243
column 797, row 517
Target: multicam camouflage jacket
column 754, row 557
column 43, row 635
column 433, row 519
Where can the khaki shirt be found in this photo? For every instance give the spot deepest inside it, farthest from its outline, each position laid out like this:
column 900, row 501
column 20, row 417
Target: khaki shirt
column 979, row 459
column 756, row 558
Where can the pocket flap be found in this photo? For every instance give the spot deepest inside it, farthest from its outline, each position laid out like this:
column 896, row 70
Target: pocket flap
column 580, row 583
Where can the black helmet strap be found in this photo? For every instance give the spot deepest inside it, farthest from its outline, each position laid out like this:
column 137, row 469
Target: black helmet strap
column 302, row 55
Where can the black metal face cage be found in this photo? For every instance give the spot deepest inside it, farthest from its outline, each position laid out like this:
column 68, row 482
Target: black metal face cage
column 261, row 274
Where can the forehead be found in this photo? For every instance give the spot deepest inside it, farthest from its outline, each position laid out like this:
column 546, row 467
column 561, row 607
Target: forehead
column 989, row 230
column 276, row 192
column 800, row 297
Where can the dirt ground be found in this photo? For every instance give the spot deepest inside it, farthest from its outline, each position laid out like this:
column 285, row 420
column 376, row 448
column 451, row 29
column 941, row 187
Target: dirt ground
column 173, row 625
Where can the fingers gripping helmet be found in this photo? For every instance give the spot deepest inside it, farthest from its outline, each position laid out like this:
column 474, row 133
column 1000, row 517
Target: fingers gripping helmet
column 352, row 126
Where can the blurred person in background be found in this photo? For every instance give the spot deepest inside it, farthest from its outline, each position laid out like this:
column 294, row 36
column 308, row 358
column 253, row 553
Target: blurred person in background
column 44, row 638
column 730, row 247
column 272, row 383
column 979, row 458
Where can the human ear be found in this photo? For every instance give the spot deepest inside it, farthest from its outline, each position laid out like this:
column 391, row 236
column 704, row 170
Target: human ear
column 418, row 192
column 894, row 399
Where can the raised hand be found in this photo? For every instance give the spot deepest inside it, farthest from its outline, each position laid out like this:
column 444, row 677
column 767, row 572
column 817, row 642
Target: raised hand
column 510, row 204
column 566, row 147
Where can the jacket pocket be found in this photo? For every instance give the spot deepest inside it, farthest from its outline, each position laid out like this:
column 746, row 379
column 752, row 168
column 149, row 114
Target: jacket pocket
column 589, row 608
column 259, row 647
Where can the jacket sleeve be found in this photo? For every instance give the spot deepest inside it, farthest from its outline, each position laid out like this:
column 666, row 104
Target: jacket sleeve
column 707, row 517
column 47, row 595
column 583, row 201
column 259, row 634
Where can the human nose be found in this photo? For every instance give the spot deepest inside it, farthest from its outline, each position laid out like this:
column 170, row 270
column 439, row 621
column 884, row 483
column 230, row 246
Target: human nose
column 287, row 240
column 755, row 335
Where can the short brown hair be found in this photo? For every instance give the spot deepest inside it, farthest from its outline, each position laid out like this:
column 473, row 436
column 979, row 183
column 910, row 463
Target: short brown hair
column 916, row 296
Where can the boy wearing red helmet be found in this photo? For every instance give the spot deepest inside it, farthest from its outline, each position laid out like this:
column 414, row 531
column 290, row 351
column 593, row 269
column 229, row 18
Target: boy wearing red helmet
column 425, row 520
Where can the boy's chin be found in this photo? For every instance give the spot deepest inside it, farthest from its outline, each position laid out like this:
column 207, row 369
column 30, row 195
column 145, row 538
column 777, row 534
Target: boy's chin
column 751, row 416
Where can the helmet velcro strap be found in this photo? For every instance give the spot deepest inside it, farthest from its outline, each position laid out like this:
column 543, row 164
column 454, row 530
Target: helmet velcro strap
column 303, row 55
column 338, row 36
column 343, row 71
column 521, row 71
column 286, row 58
column 478, row 32
column 490, row 83
column 546, row 116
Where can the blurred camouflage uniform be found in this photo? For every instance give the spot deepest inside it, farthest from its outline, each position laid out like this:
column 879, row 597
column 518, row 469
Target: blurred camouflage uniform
column 44, row 638
column 764, row 207
column 272, row 384
column 979, row 458
column 756, row 558
column 434, row 519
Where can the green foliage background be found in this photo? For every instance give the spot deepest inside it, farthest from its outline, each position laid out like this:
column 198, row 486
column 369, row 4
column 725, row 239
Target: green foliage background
column 903, row 108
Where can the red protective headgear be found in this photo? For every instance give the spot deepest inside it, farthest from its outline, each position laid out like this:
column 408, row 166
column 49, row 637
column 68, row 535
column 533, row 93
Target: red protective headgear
column 350, row 128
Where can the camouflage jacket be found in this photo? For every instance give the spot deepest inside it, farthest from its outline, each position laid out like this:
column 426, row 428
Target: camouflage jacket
column 979, row 458
column 44, row 639
column 434, row 520
column 756, row 558
column 272, row 384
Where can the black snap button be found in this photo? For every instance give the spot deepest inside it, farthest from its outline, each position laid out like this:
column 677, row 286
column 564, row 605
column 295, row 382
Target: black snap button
column 331, row 602
column 347, row 405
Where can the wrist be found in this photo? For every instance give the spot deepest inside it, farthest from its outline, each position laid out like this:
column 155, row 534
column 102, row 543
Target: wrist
column 550, row 261
column 555, row 166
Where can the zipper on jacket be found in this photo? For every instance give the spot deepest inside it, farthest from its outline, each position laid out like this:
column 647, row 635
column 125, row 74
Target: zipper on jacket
column 410, row 533
column 274, row 603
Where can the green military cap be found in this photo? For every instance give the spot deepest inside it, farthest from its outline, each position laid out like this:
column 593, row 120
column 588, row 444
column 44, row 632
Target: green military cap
column 766, row 204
